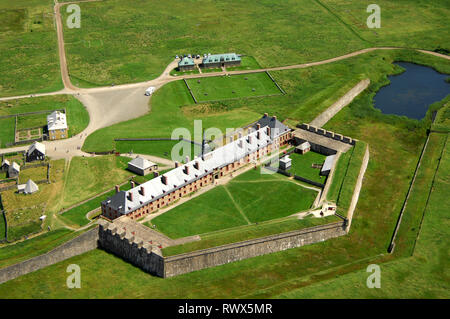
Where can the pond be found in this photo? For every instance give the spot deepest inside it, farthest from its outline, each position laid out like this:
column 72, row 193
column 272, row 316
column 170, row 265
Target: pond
column 412, row 92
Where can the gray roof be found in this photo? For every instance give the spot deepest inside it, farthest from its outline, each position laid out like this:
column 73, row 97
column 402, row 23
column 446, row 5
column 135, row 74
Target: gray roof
column 141, row 163
column 286, row 159
column 178, row 177
column 15, row 167
column 5, row 162
column 304, row 146
column 56, row 121
column 275, row 125
column 224, row 57
column 30, row 187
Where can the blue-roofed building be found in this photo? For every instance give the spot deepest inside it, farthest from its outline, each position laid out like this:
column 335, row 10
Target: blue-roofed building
column 219, row 60
column 185, row 64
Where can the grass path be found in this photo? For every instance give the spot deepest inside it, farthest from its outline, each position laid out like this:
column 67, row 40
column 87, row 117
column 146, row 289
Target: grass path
column 236, row 204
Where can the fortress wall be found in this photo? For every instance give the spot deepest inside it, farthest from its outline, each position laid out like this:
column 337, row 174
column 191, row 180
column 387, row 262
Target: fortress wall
column 79, row 245
column 184, row 263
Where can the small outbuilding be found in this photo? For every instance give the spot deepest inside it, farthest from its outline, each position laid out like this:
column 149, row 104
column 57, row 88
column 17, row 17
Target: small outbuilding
column 326, row 168
column 57, row 125
column 303, row 148
column 36, row 152
column 285, row 162
column 13, row 170
column 5, row 165
column 141, row 166
column 29, row 188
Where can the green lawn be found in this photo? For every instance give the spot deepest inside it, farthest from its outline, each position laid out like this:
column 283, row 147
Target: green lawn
column 77, row 115
column 241, row 203
column 28, row 48
column 33, row 173
column 116, row 47
column 158, row 148
column 247, row 63
column 89, row 176
column 301, row 165
column 232, row 87
column 338, row 176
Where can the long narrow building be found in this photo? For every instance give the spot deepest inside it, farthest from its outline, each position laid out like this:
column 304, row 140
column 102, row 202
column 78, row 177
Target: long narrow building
column 201, row 171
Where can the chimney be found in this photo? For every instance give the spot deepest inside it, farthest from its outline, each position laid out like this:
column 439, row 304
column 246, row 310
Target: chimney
column 142, row 191
column 257, row 135
column 164, row 179
column 187, row 159
column 133, row 184
column 258, row 126
column 240, row 143
column 155, row 174
column 268, row 130
column 196, row 165
column 117, row 188
column 266, row 114
column 186, row 170
column 240, row 134
column 130, row 196
column 274, row 118
column 177, row 164
column 250, row 139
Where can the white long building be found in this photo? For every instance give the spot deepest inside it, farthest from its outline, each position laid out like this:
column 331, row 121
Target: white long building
column 201, row 171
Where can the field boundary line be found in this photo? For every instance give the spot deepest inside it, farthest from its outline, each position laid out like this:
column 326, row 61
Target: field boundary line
column 237, row 206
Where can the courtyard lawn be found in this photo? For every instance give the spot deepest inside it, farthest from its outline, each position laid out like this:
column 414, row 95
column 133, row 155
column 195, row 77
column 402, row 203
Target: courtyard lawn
column 32, row 120
column 338, row 176
column 28, row 48
column 301, row 165
column 242, row 202
column 89, row 176
column 232, row 87
column 158, row 148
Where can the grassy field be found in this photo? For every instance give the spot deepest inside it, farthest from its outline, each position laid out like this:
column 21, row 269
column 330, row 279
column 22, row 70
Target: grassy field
column 77, row 116
column 247, row 232
column 301, row 165
column 425, row 274
column 34, row 173
column 88, row 176
column 397, row 27
column 247, row 63
column 232, row 87
column 114, row 46
column 243, row 201
column 395, row 144
column 338, row 176
column 23, row 211
column 28, row 48
column 156, row 148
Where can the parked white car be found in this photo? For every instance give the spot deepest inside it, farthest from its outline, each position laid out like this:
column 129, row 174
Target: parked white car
column 150, row 91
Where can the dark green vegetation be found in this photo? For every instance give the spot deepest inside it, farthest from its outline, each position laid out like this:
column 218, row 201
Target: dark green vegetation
column 28, row 48
column 232, row 87
column 424, row 275
column 247, row 232
column 302, row 166
column 395, row 144
column 242, row 201
column 157, row 148
column 77, row 116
